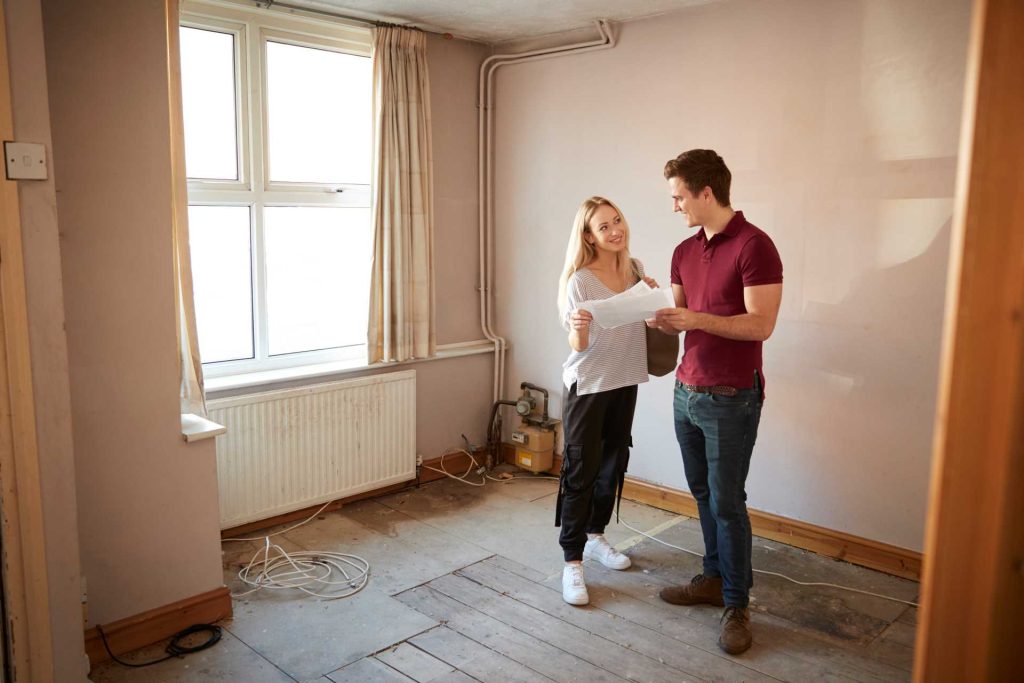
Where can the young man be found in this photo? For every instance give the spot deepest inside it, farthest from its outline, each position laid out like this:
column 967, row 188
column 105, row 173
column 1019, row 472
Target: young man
column 727, row 281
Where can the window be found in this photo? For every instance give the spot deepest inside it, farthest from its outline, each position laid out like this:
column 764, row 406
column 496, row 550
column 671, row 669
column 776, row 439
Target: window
column 278, row 141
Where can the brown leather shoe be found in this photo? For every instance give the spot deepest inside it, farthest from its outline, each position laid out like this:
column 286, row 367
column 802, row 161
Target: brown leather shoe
column 702, row 590
column 735, row 636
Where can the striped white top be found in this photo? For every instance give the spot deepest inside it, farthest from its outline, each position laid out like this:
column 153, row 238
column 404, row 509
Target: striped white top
column 615, row 358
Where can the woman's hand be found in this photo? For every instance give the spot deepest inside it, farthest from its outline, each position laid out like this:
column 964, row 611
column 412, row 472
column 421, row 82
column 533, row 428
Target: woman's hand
column 579, row 329
column 651, row 282
column 580, row 320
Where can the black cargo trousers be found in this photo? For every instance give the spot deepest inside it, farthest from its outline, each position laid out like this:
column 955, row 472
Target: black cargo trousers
column 597, row 432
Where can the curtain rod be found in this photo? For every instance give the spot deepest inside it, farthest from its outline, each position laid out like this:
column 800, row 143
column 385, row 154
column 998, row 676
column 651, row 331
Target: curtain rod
column 269, row 4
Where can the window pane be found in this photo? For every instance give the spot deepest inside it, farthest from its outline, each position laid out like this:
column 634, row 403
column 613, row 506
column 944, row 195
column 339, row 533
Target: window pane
column 318, row 272
column 208, row 101
column 222, row 281
column 319, row 115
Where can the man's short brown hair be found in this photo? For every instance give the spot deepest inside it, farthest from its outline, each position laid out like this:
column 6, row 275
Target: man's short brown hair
column 700, row 168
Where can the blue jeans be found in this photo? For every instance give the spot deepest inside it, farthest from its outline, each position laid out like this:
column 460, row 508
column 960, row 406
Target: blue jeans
column 716, row 436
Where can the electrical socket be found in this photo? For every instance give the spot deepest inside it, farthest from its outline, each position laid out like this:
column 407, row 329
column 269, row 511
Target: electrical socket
column 419, row 460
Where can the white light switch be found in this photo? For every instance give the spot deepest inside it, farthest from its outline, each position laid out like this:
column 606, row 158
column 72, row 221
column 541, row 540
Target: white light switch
column 25, row 161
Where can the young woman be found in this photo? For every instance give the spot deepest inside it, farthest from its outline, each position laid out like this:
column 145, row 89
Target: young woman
column 600, row 376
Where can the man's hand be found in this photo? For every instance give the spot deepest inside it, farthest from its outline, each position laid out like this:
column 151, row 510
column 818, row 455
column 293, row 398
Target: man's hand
column 762, row 304
column 676, row 320
column 580, row 320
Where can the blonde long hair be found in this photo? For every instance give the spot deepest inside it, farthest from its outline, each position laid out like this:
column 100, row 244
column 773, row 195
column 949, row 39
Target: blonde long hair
column 581, row 253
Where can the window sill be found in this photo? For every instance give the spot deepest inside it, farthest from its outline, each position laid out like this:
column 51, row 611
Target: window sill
column 196, row 428
column 321, row 370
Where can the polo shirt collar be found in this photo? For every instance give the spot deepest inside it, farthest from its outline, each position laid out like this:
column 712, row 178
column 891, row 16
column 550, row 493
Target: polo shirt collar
column 731, row 228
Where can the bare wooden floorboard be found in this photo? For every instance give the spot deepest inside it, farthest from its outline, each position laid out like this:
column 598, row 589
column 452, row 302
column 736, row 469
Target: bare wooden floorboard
column 414, row 663
column 600, row 652
column 681, row 655
column 475, row 659
column 608, row 587
column 455, row 677
column 367, row 669
column 895, row 645
column 900, row 632
column 909, row 616
column 532, row 653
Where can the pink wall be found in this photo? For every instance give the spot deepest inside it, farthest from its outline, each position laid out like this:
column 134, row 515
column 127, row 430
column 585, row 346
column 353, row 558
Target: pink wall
column 840, row 123
column 454, row 396
column 147, row 501
column 454, row 66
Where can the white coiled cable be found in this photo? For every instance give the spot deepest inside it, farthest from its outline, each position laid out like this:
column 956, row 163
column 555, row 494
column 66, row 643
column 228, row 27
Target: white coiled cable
column 325, row 575
column 322, row 574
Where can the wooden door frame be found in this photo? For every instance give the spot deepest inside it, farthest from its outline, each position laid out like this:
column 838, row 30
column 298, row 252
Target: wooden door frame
column 973, row 587
column 26, row 584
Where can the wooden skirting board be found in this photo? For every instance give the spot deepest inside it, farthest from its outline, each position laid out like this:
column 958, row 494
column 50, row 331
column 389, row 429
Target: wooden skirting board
column 887, row 558
column 157, row 624
column 829, row 542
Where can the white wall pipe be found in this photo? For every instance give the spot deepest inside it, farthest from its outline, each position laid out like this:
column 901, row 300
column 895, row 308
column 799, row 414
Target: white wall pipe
column 485, row 169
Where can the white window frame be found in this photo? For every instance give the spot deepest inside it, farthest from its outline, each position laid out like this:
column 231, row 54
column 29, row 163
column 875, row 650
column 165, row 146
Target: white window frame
column 252, row 27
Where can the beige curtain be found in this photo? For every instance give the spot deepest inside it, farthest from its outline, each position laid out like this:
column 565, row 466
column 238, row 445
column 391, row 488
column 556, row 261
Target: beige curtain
column 193, row 399
column 401, row 321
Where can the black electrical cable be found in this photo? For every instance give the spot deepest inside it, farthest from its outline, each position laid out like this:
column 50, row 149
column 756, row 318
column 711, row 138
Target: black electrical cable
column 494, row 428
column 174, row 649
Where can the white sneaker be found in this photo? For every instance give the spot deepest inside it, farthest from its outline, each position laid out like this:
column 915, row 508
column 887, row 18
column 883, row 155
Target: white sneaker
column 599, row 549
column 574, row 590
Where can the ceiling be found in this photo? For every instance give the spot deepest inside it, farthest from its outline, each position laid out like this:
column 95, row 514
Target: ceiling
column 497, row 21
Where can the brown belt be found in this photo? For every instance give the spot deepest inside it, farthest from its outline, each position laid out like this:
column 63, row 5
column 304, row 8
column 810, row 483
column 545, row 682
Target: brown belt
column 718, row 390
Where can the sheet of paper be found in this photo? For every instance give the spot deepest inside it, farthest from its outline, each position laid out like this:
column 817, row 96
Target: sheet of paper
column 636, row 304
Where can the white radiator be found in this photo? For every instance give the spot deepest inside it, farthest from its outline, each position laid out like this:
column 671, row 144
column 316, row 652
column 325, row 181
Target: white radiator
column 290, row 449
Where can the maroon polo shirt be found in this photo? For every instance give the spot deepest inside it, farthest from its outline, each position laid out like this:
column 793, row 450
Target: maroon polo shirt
column 713, row 274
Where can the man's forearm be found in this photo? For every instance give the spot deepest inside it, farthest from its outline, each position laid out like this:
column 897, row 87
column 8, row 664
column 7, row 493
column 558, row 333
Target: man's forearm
column 743, row 327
